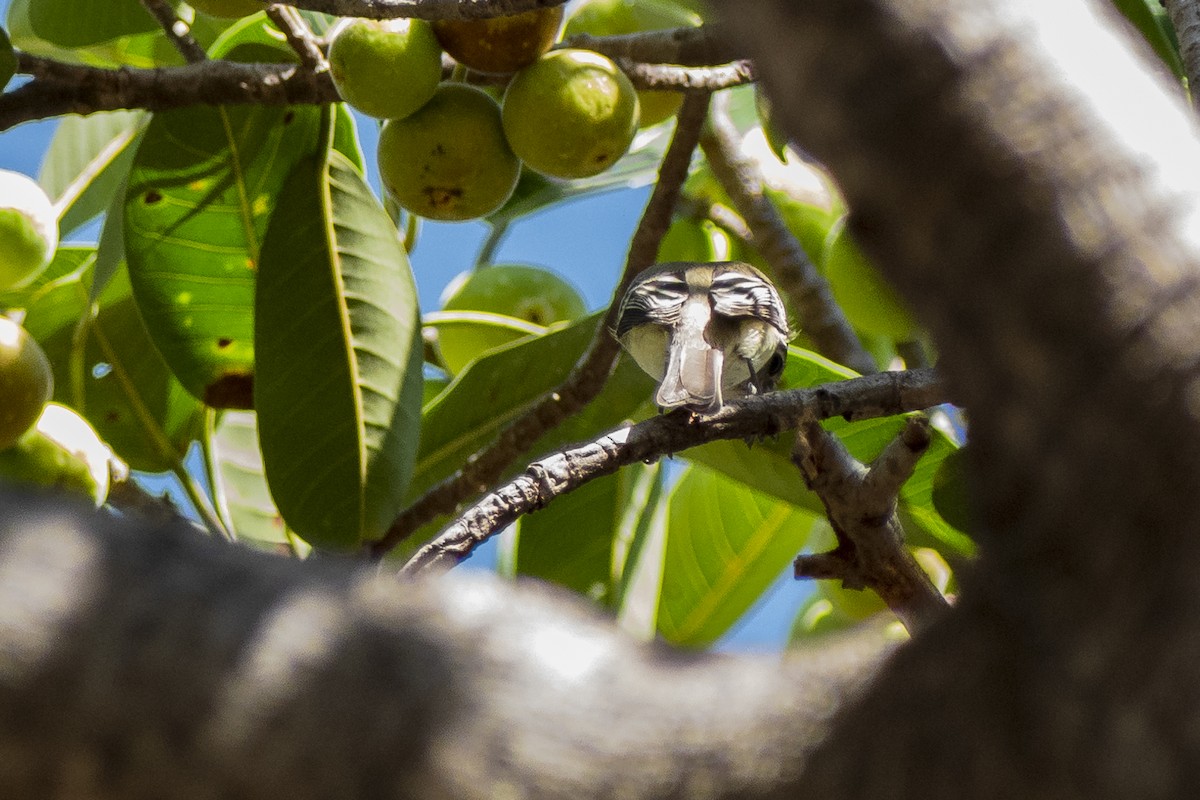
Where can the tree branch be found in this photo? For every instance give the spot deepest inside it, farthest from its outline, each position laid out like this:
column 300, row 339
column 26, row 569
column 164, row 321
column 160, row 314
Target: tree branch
column 425, row 9
column 806, row 290
column 298, row 36
column 1185, row 17
column 861, row 506
column 668, row 76
column 176, row 29
column 704, row 46
column 592, row 370
column 881, row 394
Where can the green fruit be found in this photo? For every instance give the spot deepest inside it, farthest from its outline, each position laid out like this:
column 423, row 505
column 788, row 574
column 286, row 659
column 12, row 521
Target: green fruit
column 869, row 302
column 500, row 44
column 26, row 381
column 690, row 239
column 28, row 230
column 450, row 160
column 385, row 68
column 530, row 293
column 571, row 114
column 617, row 17
column 228, row 8
column 61, row 452
column 515, row 293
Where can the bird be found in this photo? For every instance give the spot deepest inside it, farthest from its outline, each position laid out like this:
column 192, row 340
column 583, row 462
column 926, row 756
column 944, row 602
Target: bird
column 704, row 331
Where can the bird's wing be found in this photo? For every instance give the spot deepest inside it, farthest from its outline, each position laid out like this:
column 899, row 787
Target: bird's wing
column 736, row 294
column 657, row 301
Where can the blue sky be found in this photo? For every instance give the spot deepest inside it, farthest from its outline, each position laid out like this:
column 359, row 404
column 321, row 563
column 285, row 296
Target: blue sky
column 585, row 240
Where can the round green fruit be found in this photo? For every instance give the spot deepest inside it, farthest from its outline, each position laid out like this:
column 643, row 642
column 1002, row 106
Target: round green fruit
column 618, row 17
column 690, row 239
column 28, row 230
column 63, row 452
column 571, row 114
column 26, row 381
column 870, row 304
column 500, row 44
column 385, row 68
column 530, row 293
column 512, row 293
column 449, row 160
column 228, row 9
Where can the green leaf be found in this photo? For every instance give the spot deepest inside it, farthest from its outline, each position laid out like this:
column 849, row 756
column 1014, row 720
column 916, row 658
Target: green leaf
column 239, row 483
column 340, row 364
column 496, row 388
column 1151, row 20
column 201, row 191
column 8, row 60
column 57, row 297
column 78, row 23
column 726, row 543
column 86, row 163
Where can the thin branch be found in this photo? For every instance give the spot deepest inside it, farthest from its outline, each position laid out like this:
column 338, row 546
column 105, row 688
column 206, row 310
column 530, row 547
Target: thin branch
column 669, row 76
column 588, row 376
column 176, row 29
column 426, row 9
column 808, row 292
column 1185, row 16
column 60, row 88
column 298, row 35
column 881, row 394
column 861, row 505
column 689, row 47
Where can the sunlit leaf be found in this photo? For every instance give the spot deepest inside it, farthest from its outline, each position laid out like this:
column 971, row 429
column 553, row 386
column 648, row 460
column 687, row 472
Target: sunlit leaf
column 201, row 191
column 726, row 543
column 338, row 427
column 77, row 23
column 239, row 482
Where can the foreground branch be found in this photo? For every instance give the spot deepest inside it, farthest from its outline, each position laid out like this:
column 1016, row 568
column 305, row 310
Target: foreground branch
column 881, row 394
column 425, row 9
column 147, row 661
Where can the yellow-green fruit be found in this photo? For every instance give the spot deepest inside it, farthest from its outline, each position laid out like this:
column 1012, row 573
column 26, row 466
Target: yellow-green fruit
column 616, row 17
column 450, row 160
column 509, row 291
column 28, row 230
column 26, row 381
column 385, row 68
column 690, row 239
column 571, row 114
column 870, row 304
column 518, row 290
column 63, row 452
column 227, row 8
column 500, row 44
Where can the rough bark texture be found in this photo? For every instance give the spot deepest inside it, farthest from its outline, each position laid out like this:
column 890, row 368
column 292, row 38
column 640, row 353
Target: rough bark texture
column 1034, row 193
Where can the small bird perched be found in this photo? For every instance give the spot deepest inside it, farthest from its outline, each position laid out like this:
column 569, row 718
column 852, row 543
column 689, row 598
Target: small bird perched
column 704, row 331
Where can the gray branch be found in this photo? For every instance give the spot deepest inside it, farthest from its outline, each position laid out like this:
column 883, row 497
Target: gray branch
column 1185, row 17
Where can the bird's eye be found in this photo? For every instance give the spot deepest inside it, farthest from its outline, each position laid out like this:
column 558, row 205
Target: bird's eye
column 775, row 365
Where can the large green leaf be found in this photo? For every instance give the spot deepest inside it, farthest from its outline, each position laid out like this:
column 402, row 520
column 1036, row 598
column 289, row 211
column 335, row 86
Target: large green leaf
column 57, row 297
column 496, row 388
column 86, row 162
column 1152, row 21
column 239, row 483
column 726, row 543
column 200, row 194
column 78, row 23
column 338, row 391
column 141, row 50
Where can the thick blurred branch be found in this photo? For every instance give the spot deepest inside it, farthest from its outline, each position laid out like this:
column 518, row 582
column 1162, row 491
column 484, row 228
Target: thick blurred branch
column 1185, row 17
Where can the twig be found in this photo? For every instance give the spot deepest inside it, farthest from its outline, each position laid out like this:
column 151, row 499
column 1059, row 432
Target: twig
column 176, row 29
column 425, row 9
column 881, row 394
column 298, row 35
column 820, row 316
column 592, row 370
column 861, row 505
column 669, row 76
column 689, row 47
column 60, row 88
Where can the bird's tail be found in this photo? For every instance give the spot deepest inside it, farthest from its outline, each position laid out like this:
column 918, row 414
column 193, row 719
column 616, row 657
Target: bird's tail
column 694, row 367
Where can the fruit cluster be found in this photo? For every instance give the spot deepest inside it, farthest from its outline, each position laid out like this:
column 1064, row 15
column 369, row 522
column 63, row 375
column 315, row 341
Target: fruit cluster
column 448, row 150
column 40, row 442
